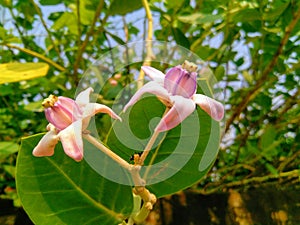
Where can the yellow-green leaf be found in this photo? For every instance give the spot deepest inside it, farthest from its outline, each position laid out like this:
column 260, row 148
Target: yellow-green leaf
column 14, row 72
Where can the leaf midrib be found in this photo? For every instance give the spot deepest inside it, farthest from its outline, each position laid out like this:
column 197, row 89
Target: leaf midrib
column 82, row 193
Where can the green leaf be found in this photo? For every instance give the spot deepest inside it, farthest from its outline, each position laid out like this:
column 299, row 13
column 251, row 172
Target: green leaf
column 274, row 14
column 58, row 190
column 252, row 15
column 248, row 77
column 50, row 2
column 87, row 12
column 179, row 158
column 6, row 90
column 11, row 170
column 67, row 19
column 220, row 72
column 171, row 4
column 116, row 38
column 14, row 72
column 180, row 38
column 268, row 137
column 199, row 18
column 7, row 148
column 122, row 7
column 271, row 168
column 34, row 106
column 274, row 30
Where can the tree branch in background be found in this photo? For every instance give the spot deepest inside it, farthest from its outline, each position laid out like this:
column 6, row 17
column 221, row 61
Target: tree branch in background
column 37, row 9
column 294, row 174
column 20, row 32
column 38, row 55
column 149, row 53
column 256, row 89
column 78, row 22
column 86, row 40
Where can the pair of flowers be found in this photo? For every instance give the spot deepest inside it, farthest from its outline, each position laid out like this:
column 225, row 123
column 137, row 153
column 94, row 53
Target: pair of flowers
column 69, row 119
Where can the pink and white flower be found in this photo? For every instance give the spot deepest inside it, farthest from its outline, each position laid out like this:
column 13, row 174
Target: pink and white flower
column 177, row 90
column 68, row 119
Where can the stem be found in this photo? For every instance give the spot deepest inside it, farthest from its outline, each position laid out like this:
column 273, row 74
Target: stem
column 148, row 147
column 139, row 189
column 142, row 215
column 149, row 53
column 151, row 142
column 108, row 152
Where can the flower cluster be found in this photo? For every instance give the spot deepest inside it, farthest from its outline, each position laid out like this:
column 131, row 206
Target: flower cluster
column 68, row 119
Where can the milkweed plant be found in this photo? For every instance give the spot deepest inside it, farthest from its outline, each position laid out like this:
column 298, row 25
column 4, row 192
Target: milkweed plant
column 58, row 180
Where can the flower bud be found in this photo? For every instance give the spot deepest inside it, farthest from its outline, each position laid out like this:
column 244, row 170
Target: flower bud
column 61, row 111
column 181, row 80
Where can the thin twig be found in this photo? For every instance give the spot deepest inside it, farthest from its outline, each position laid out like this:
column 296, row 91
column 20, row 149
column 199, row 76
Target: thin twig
column 17, row 26
column 289, row 160
column 126, row 47
column 78, row 22
column 290, row 174
column 38, row 55
column 37, row 9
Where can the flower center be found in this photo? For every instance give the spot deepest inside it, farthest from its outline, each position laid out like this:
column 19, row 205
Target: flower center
column 50, row 101
column 189, row 66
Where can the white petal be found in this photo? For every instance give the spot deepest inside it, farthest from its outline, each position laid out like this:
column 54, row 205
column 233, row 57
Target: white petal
column 154, row 74
column 47, row 144
column 151, row 87
column 71, row 139
column 182, row 108
column 212, row 107
column 93, row 108
column 83, row 98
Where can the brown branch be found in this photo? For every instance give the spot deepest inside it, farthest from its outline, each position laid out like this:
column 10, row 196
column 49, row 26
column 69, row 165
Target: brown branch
column 290, row 174
column 86, row 40
column 290, row 159
column 78, row 22
column 256, row 89
column 290, row 102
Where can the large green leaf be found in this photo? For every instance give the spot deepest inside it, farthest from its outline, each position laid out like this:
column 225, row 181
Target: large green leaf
column 179, row 158
column 13, row 72
column 58, row 190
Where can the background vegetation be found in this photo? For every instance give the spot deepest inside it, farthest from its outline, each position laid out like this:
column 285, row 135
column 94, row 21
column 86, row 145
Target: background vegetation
column 253, row 47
